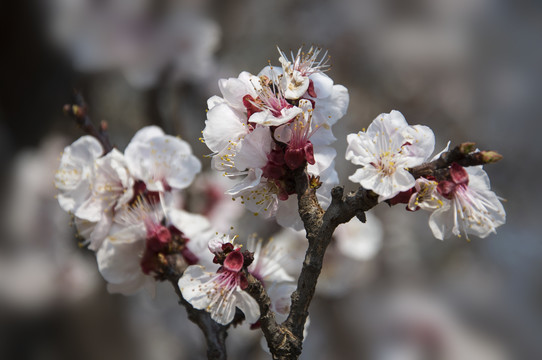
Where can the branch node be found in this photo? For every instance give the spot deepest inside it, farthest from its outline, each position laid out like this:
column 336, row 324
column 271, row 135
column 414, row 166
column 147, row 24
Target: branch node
column 337, row 193
column 361, row 216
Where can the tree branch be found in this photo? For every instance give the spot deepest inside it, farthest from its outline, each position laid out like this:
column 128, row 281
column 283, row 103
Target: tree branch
column 215, row 334
column 285, row 340
column 279, row 338
column 79, row 112
column 319, row 226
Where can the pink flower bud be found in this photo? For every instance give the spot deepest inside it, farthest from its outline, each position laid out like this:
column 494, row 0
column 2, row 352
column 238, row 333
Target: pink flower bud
column 294, row 158
column 234, row 261
column 459, row 174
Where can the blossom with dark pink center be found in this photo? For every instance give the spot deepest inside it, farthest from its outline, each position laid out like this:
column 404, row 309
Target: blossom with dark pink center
column 385, row 151
column 468, row 205
column 270, row 108
column 296, row 135
column 425, row 195
column 459, row 178
column 220, row 292
column 163, row 162
column 259, row 134
column 299, row 68
column 142, row 239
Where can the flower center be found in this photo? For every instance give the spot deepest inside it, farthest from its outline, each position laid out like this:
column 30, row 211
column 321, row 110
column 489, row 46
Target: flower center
column 386, row 164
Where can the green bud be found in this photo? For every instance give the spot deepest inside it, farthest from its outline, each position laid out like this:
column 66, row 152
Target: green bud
column 489, row 157
column 467, row 147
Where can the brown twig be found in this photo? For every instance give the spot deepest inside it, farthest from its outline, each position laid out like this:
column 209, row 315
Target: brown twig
column 215, row 334
column 464, row 154
column 79, row 112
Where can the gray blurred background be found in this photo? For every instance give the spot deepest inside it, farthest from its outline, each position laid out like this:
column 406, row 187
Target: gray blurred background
column 469, row 69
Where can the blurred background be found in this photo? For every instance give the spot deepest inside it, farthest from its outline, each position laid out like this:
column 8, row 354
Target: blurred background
column 469, row 69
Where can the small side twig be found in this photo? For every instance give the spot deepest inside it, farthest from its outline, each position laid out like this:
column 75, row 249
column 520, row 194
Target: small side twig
column 464, row 154
column 79, row 112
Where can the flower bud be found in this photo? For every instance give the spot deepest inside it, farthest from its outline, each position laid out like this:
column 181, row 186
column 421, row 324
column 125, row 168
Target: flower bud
column 294, row 158
column 467, row 147
column 490, row 156
column 234, row 261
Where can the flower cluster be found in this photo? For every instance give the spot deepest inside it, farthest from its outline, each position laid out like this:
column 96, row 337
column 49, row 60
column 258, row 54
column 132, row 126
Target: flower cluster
column 122, row 204
column 265, row 126
column 221, row 290
column 461, row 201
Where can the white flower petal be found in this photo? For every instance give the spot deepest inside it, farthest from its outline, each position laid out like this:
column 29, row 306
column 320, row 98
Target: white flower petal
column 119, row 262
column 198, row 230
column 251, row 181
column 280, row 295
column 248, row 305
column 234, row 89
column 422, row 142
column 330, row 109
column 100, row 231
column 283, row 133
column 223, row 125
column 75, row 171
column 269, row 262
column 253, row 149
column 147, row 133
column 288, row 215
column 360, row 241
column 387, row 123
column 322, row 137
column 323, row 85
column 361, row 149
column 272, row 72
column 367, row 176
column 296, row 85
column 266, row 118
column 194, row 285
column 214, row 101
column 163, row 159
column 324, row 157
column 441, row 222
